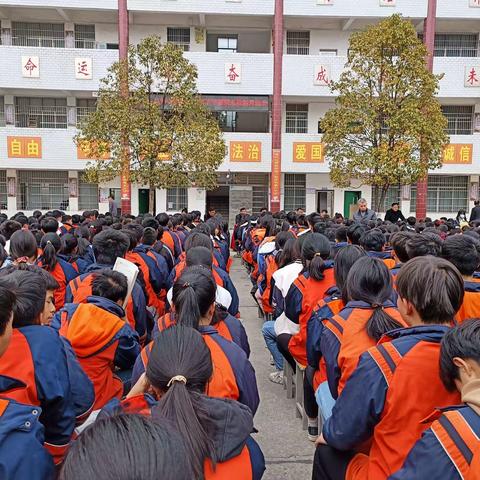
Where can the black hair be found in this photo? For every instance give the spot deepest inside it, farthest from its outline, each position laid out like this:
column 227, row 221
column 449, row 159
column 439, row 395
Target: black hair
column 370, row 281
column 420, row 245
column 411, row 221
column 463, row 251
column 50, row 245
column 289, row 254
column 135, row 228
column 198, row 239
column 49, row 225
column 193, row 294
column 373, row 240
column 23, row 244
column 8, row 228
column 282, row 238
column 199, row 256
column 163, row 219
column 341, row 234
column 138, row 446
column 69, row 244
column 110, row 284
column 462, row 341
column 181, row 351
column 433, row 286
column 398, row 242
column 315, row 249
column 132, row 238
column 150, row 222
column 7, row 304
column 149, row 236
column 109, row 245
column 344, row 261
column 30, row 291
column 355, row 232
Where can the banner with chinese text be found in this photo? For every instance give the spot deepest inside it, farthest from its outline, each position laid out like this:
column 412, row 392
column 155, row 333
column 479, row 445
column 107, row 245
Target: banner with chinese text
column 308, row 152
column 245, row 151
column 24, row 147
column 458, row 153
column 276, row 175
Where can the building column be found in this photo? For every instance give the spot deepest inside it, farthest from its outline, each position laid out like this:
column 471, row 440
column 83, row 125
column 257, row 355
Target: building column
column 6, row 33
column 69, row 35
column 73, row 191
column 71, row 111
column 11, row 192
column 9, row 109
column 197, row 199
column 473, row 194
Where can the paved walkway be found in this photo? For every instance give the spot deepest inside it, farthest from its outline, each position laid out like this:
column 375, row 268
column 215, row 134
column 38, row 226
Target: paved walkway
column 287, row 451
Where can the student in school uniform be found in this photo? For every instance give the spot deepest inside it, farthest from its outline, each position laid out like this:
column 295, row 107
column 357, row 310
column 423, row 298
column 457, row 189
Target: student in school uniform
column 450, row 448
column 396, row 384
column 374, row 241
column 464, row 252
column 399, row 245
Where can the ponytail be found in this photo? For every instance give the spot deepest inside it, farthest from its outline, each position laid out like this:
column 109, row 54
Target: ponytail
column 315, row 249
column 380, row 323
column 50, row 246
column 180, row 366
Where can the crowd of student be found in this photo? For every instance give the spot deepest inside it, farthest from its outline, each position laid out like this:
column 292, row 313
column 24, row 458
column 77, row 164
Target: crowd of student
column 98, row 382
column 383, row 318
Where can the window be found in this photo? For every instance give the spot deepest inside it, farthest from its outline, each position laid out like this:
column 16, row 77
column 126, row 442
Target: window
column 446, row 194
column 85, row 106
column 455, row 44
column 179, row 37
column 177, row 199
column 227, row 120
column 327, row 52
column 298, row 43
column 38, row 34
column 42, row 189
column 84, row 36
column 392, row 196
column 36, row 112
column 295, row 191
column 460, row 119
column 87, row 195
column 296, row 118
column 2, row 112
column 112, row 46
column 3, row 189
column 227, row 43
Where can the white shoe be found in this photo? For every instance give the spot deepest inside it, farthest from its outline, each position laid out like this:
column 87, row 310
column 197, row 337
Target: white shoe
column 276, row 377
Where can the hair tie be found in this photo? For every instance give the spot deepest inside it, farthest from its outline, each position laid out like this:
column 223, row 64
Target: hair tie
column 177, row 378
column 49, row 242
column 318, row 254
column 376, row 306
column 185, row 285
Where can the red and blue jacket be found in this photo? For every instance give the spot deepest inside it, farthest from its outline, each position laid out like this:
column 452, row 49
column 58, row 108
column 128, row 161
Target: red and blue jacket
column 471, row 301
column 395, row 386
column 101, row 340
column 395, row 270
column 233, row 375
column 22, row 455
column 385, row 256
column 172, row 241
column 80, row 288
column 302, row 297
column 78, row 263
column 47, row 374
column 450, row 448
column 63, row 273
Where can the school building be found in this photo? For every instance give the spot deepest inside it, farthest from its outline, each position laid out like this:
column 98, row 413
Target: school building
column 54, row 53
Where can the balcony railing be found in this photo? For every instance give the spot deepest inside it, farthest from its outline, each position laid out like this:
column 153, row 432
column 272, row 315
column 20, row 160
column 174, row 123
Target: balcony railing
column 41, row 117
column 83, row 113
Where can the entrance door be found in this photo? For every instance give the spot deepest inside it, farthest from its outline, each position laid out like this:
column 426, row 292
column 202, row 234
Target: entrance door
column 219, row 200
column 240, row 197
column 143, row 195
column 350, row 203
column 325, row 201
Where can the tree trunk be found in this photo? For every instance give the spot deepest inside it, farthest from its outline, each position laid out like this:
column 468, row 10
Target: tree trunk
column 151, row 199
column 381, row 197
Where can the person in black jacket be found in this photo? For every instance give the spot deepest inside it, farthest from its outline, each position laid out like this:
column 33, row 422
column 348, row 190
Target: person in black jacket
column 394, row 214
column 475, row 213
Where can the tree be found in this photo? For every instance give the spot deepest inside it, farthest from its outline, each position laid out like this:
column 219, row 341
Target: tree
column 171, row 138
column 386, row 111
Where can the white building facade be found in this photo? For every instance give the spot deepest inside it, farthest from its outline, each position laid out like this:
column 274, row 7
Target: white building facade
column 55, row 53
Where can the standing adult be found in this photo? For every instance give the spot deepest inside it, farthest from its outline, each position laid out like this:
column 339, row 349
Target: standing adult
column 112, row 206
column 394, row 214
column 475, row 213
column 363, row 214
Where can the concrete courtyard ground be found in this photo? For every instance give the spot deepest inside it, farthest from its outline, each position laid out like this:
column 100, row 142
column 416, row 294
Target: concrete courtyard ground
column 287, row 451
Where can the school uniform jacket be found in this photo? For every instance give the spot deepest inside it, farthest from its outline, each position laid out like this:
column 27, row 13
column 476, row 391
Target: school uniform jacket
column 385, row 257
column 38, row 369
column 471, row 301
column 101, row 340
column 345, row 338
column 302, row 297
column 395, row 386
column 238, row 455
column 80, row 288
column 449, row 449
column 233, row 375
column 22, row 455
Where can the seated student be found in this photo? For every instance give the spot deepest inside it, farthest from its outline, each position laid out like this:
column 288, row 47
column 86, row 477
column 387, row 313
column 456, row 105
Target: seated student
column 60, row 270
column 22, row 454
column 45, row 370
column 420, row 245
column 70, row 253
column 341, row 239
column 194, row 304
column 373, row 242
column 399, row 245
column 99, row 335
column 169, row 238
column 216, row 432
column 23, row 249
column 108, row 245
column 450, row 448
column 396, row 384
column 464, row 252
column 165, row 457
column 51, row 285
column 355, row 233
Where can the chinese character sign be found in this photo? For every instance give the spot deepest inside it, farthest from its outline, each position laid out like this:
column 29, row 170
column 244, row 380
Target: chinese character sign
column 472, row 76
column 30, row 67
column 475, row 3
column 233, row 73
column 388, row 3
column 321, row 75
column 24, row 147
column 245, row 151
column 308, row 152
column 457, row 153
column 276, row 174
column 83, row 68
